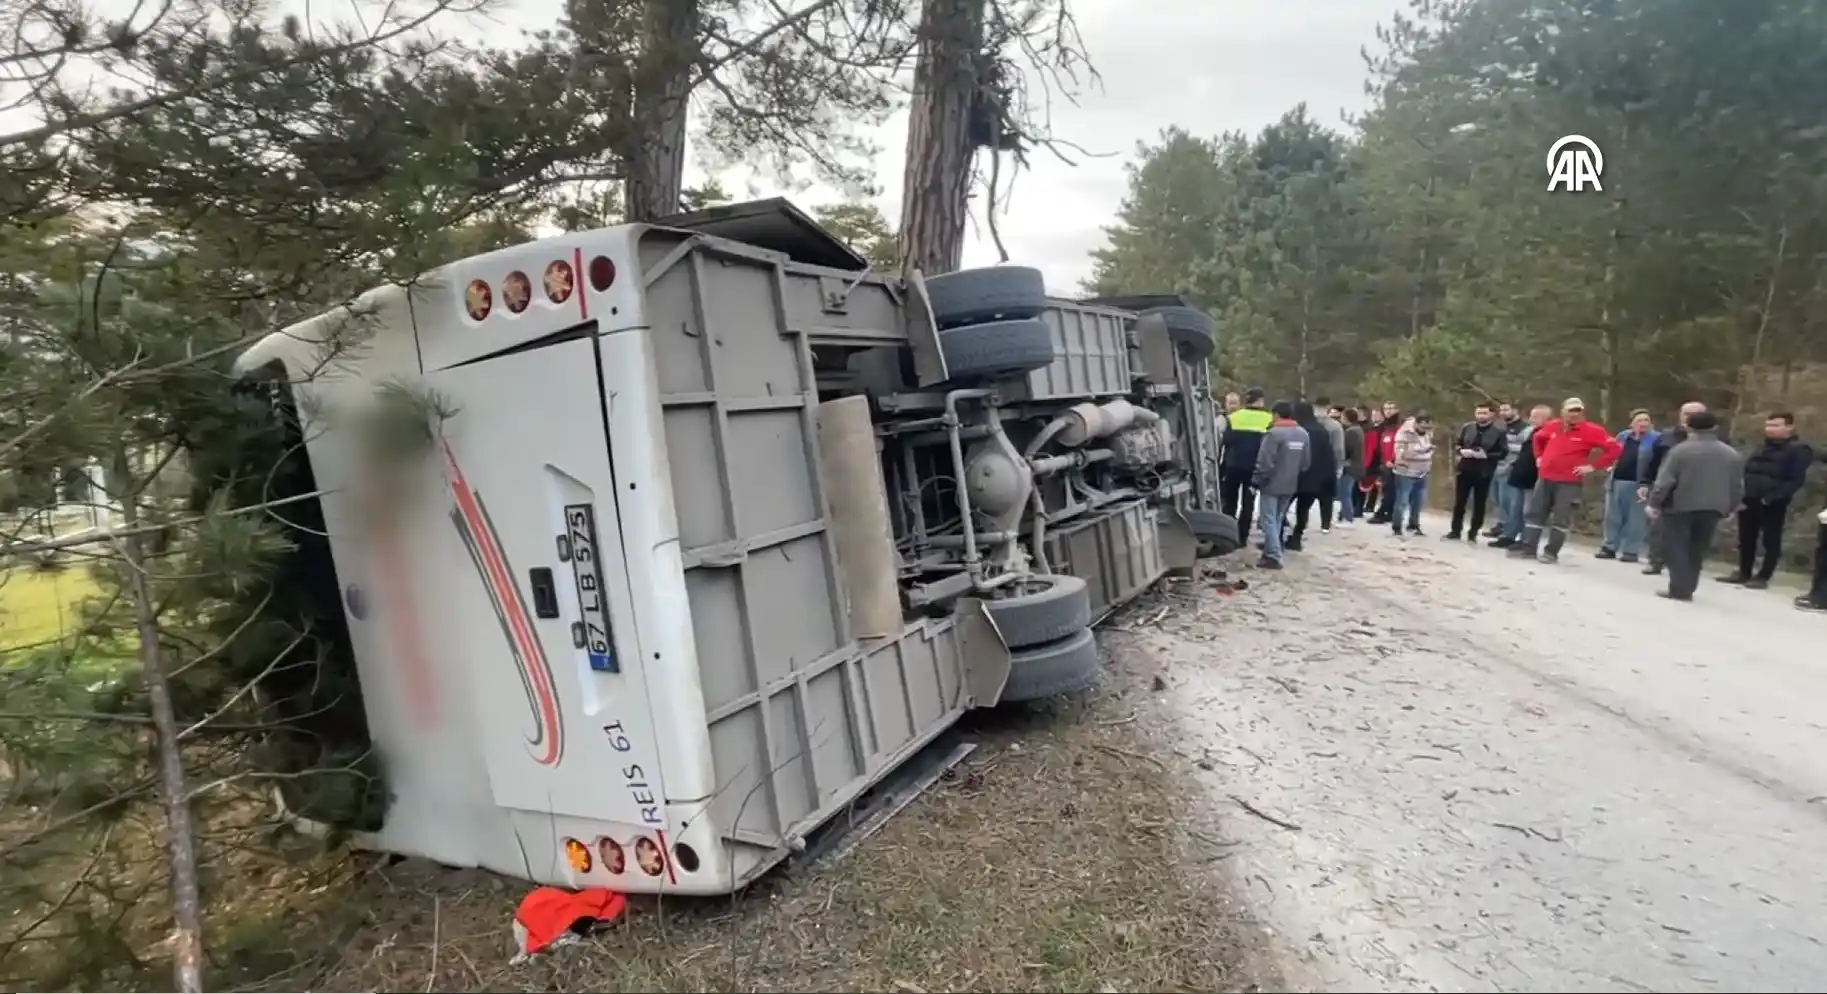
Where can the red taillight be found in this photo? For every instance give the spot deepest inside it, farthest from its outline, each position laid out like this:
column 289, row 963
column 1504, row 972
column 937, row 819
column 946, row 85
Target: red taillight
column 610, row 852
column 647, row 853
column 560, row 281
column 578, row 855
column 602, row 273
column 516, row 291
column 478, row 300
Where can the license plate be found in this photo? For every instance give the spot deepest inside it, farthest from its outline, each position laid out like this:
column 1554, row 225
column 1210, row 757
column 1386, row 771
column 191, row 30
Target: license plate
column 591, row 632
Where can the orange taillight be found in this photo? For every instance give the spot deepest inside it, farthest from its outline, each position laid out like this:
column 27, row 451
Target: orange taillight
column 578, row 855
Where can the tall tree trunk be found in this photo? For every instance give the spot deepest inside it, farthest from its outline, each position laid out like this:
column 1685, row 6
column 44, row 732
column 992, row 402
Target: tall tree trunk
column 935, row 192
column 1419, row 300
column 186, row 895
column 1750, row 366
column 669, row 48
column 1304, row 364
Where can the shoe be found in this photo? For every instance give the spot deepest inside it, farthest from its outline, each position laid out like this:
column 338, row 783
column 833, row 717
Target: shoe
column 1501, row 543
column 1328, row 531
column 1548, row 558
column 1267, row 563
column 1450, row 537
column 1605, row 554
column 1521, row 551
column 1397, row 532
column 1806, row 603
column 1628, row 557
column 1736, row 579
column 1668, row 596
column 1652, row 569
column 1493, row 533
column 1291, row 544
column 1757, row 583
column 1415, row 530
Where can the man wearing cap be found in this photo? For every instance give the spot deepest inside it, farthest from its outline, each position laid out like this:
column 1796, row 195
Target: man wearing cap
column 1563, row 458
column 1665, row 443
column 1700, row 483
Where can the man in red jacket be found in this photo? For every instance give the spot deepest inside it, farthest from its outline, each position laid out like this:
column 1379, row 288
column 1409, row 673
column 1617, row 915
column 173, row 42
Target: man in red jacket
column 1563, row 457
column 1384, row 461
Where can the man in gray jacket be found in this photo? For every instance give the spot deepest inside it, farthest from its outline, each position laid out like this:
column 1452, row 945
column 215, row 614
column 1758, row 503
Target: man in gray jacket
column 1284, row 455
column 1700, row 482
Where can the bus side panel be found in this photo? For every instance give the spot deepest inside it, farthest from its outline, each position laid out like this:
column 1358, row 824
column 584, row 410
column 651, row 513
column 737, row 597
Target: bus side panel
column 550, row 640
column 780, row 680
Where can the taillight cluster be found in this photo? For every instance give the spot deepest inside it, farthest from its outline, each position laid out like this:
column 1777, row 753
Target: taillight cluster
column 559, row 282
column 647, row 855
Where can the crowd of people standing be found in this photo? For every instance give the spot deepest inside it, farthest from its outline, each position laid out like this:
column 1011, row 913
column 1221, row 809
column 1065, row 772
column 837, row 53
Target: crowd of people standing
column 1666, row 490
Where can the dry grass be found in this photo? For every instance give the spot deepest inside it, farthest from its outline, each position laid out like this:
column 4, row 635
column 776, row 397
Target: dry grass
column 1055, row 859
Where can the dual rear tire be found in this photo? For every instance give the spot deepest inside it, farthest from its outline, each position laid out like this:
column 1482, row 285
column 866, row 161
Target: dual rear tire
column 1045, row 621
column 989, row 322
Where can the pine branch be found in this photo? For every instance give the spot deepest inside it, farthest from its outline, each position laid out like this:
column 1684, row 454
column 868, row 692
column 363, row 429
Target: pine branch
column 117, row 534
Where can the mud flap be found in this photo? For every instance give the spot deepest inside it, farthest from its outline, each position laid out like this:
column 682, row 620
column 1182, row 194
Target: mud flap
column 1179, row 546
column 1160, row 362
column 923, row 332
column 986, row 656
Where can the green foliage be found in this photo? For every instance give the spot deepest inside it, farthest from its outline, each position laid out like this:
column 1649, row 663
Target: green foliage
column 1421, row 257
column 864, row 228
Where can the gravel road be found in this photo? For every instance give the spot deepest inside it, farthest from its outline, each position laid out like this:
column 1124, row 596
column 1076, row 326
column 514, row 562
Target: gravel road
column 1498, row 775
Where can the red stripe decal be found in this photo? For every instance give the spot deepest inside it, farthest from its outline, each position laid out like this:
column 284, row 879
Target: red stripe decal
column 403, row 625
column 497, row 576
column 579, row 281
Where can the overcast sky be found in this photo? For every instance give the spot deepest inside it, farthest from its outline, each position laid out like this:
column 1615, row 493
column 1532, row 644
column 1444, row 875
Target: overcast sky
column 1206, row 65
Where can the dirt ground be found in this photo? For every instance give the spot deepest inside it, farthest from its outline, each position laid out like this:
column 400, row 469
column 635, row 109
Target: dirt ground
column 1068, row 853
column 1398, row 765
column 1453, row 771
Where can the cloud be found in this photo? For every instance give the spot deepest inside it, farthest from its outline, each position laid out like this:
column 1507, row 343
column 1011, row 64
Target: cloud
column 1208, row 66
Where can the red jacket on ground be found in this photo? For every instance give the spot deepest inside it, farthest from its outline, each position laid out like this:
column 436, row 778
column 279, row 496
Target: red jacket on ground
column 1560, row 449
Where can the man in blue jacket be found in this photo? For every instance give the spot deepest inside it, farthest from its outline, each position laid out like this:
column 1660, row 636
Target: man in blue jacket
column 1625, row 523
column 1774, row 474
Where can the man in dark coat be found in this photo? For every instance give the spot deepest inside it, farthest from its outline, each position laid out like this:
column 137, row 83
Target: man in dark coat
column 1774, row 474
column 1514, row 424
column 1243, row 433
column 1480, row 447
column 1816, row 597
column 1319, row 482
column 1517, row 478
column 1352, row 469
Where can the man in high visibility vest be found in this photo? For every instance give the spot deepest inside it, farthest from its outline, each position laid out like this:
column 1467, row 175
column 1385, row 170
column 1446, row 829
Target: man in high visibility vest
column 1243, row 435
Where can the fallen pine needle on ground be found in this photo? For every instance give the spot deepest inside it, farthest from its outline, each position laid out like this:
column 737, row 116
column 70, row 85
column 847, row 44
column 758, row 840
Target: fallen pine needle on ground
column 1055, row 859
